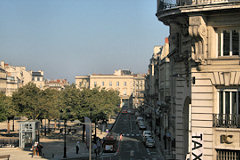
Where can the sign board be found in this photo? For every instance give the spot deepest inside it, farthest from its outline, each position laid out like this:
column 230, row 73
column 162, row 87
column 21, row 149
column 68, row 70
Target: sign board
column 197, row 146
column 87, row 122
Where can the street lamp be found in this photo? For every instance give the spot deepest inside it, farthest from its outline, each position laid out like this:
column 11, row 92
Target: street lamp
column 88, row 122
column 65, row 133
column 65, row 140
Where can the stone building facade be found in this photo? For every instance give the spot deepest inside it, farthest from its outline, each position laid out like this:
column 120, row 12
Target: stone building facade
column 18, row 76
column 204, row 76
column 58, row 84
column 156, row 105
column 130, row 86
column 3, row 81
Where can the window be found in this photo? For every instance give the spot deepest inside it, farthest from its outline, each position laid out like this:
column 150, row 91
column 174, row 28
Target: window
column 110, row 83
column 228, row 43
column 228, row 109
column 229, row 102
column 117, row 83
column 102, row 83
column 95, row 84
column 125, row 83
column 38, row 79
column 124, row 92
column 227, row 154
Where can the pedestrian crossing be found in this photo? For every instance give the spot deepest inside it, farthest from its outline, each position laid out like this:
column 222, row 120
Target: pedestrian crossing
column 131, row 134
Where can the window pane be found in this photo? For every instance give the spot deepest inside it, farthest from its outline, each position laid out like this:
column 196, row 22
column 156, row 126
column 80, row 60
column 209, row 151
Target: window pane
column 235, row 42
column 226, row 43
column 219, row 44
column 234, row 102
column 238, row 102
column 221, row 102
column 227, row 102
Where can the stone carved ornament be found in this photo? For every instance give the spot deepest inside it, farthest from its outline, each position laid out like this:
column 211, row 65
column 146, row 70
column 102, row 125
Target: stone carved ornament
column 198, row 31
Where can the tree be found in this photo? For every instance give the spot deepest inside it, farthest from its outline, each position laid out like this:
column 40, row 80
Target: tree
column 50, row 105
column 28, row 101
column 7, row 110
column 70, row 100
column 3, row 106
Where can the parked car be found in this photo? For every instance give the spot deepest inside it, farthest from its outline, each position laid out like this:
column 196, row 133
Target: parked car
column 146, row 137
column 147, row 132
column 139, row 117
column 142, row 126
column 150, row 142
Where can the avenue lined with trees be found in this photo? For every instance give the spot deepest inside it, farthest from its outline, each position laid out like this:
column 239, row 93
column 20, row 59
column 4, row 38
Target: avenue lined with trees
column 68, row 104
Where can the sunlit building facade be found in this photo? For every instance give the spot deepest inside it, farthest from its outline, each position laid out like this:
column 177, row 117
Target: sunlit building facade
column 204, row 97
column 130, row 86
column 18, row 76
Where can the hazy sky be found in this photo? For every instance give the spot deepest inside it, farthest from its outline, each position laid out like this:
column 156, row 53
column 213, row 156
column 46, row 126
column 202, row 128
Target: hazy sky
column 65, row 38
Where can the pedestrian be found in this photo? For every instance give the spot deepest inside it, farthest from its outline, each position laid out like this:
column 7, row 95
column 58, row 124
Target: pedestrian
column 34, row 148
column 77, row 147
column 39, row 149
column 98, row 146
column 95, row 148
column 121, row 136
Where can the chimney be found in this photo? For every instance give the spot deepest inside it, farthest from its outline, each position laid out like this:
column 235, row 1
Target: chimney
column 166, row 40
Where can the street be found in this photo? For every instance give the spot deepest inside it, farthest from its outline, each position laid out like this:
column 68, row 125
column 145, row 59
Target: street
column 131, row 145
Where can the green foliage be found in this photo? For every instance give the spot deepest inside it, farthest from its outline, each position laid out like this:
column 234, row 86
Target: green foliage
column 7, row 109
column 3, row 106
column 28, row 101
column 50, row 104
column 68, row 104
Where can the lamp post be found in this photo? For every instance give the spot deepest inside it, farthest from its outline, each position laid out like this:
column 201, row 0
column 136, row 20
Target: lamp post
column 88, row 122
column 65, row 134
column 65, row 140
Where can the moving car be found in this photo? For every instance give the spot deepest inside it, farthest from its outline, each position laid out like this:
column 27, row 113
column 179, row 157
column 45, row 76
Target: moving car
column 130, row 111
column 124, row 111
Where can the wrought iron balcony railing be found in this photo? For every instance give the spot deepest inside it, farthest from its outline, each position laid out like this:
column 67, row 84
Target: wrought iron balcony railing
column 167, row 4
column 226, row 120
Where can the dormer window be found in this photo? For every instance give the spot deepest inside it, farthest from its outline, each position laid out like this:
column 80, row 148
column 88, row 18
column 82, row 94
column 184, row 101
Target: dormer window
column 228, row 43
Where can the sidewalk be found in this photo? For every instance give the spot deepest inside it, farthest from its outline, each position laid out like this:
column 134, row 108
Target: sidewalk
column 157, row 142
column 53, row 147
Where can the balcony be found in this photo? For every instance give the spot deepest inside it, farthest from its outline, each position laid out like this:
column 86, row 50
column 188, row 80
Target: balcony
column 167, row 4
column 226, row 120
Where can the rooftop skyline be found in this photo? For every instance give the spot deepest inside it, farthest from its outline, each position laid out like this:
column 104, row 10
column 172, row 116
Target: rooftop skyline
column 78, row 37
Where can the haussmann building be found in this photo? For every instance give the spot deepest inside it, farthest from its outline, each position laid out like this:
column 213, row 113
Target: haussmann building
column 205, row 75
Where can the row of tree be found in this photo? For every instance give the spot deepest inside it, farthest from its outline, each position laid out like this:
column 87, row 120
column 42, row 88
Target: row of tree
column 68, row 104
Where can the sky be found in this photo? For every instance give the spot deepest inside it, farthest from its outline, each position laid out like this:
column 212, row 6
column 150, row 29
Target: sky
column 67, row 38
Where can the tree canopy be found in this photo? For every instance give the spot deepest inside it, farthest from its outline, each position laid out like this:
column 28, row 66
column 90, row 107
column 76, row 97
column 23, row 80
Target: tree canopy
column 68, row 104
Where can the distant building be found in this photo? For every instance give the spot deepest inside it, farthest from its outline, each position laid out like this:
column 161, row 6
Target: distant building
column 3, row 81
column 58, row 84
column 129, row 85
column 38, row 79
column 18, row 76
